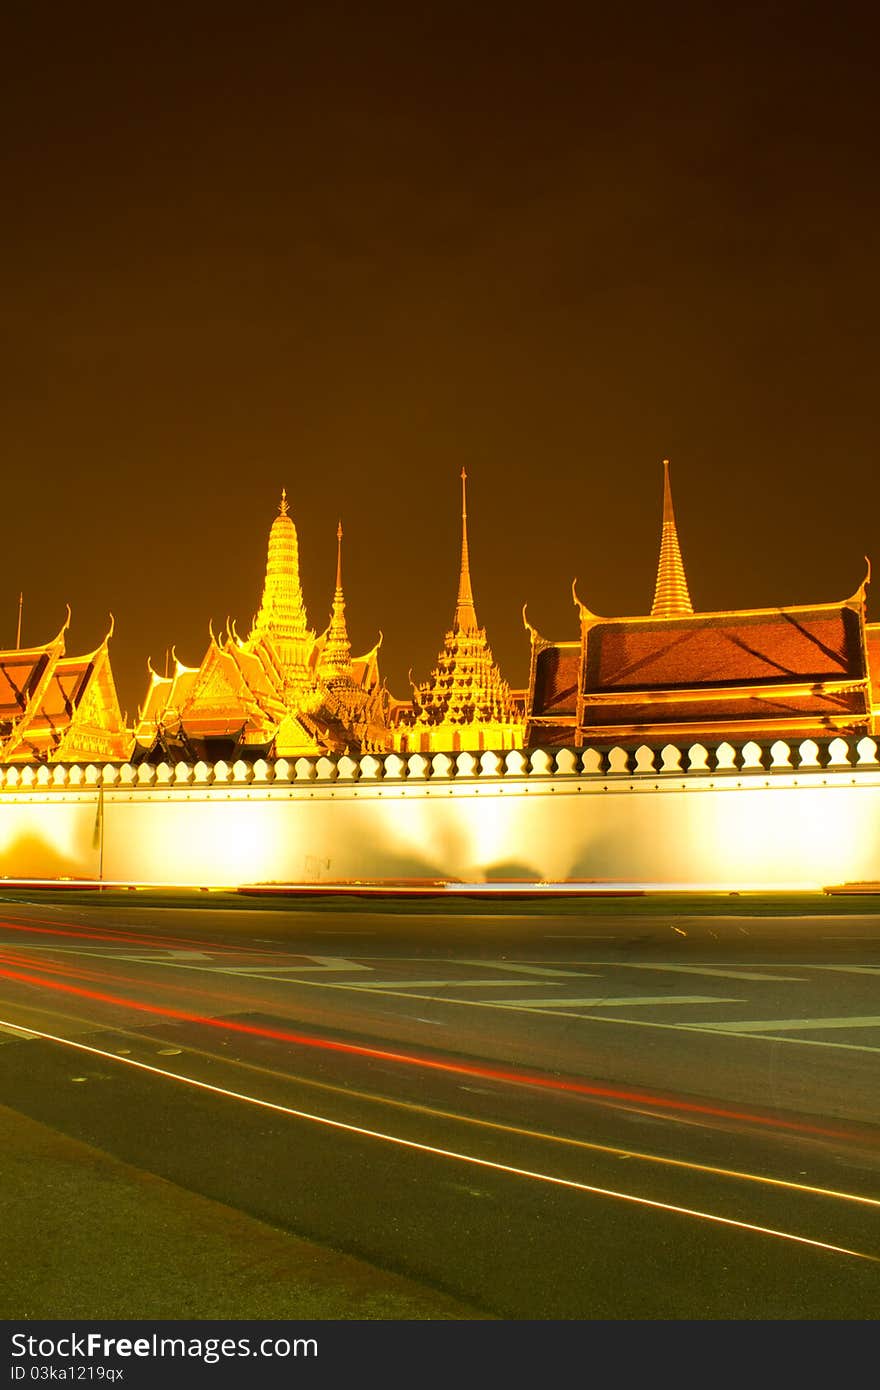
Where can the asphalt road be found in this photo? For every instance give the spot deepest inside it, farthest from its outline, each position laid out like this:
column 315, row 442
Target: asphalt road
column 531, row 1110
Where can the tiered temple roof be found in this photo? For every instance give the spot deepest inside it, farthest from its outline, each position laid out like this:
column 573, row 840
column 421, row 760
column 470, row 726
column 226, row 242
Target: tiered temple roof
column 280, row 692
column 756, row 673
column 466, row 703
column 59, row 708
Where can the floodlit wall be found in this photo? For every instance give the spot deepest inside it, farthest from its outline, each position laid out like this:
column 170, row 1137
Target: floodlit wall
column 785, row 816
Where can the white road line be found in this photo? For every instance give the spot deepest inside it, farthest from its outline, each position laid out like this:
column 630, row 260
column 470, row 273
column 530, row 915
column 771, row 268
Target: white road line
column 163, row 955
column 457, row 1156
column 447, row 984
column 707, row 970
column 851, row 969
column 637, row 1000
column 17, row 1032
column 324, row 964
column 507, row 965
column 796, row 1024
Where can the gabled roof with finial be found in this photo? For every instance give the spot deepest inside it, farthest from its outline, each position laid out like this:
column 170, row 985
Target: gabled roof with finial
column 758, row 671
column 49, row 699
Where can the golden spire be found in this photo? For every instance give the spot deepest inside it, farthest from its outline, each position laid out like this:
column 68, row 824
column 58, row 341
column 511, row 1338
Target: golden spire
column 466, row 703
column 336, row 656
column 671, row 597
column 282, row 612
column 465, row 619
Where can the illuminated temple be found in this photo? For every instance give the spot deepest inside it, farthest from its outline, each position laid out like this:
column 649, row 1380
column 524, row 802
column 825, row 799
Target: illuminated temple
column 673, row 674
column 281, row 692
column 466, row 704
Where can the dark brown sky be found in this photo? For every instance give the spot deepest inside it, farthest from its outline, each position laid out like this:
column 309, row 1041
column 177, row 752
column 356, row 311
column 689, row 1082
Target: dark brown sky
column 348, row 249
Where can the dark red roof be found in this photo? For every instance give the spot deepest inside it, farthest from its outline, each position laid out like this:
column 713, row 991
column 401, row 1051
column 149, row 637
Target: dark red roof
column 20, row 673
column 776, row 647
column 63, row 693
column 557, row 670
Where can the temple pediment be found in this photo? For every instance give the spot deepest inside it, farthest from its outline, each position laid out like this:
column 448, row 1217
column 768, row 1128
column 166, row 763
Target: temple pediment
column 55, row 707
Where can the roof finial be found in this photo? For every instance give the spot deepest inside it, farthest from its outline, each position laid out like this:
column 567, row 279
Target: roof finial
column 336, row 654
column 671, row 596
column 283, row 509
column 465, row 614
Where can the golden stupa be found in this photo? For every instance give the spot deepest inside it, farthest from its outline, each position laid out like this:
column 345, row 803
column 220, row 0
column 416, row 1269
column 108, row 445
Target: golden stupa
column 466, row 703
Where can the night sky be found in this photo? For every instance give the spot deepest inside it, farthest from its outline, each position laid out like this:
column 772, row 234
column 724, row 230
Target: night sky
column 348, row 249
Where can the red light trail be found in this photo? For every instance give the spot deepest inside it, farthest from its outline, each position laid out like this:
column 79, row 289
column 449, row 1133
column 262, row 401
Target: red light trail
column 477, row 1070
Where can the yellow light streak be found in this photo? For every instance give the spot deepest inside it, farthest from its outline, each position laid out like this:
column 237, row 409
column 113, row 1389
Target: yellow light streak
column 414, row 1145
column 544, row 1136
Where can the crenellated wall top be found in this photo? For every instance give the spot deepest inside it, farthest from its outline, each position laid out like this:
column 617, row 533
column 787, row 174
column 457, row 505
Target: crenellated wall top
column 697, row 760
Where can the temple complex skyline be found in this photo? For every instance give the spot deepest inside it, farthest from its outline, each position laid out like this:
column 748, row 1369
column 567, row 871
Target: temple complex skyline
column 283, row 691
column 415, row 649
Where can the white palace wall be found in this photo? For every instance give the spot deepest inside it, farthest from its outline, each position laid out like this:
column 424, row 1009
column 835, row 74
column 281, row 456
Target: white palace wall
column 802, row 816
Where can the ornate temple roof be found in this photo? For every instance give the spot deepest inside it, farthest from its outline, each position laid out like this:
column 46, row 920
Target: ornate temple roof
column 773, row 645
column 466, row 701
column 802, row 669
column 54, row 706
column 281, row 688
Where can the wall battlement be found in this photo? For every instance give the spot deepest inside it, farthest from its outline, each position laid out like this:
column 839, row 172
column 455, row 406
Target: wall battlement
column 697, row 759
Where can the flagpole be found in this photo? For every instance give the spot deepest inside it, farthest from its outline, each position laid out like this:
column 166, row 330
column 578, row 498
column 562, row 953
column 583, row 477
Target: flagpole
column 98, row 833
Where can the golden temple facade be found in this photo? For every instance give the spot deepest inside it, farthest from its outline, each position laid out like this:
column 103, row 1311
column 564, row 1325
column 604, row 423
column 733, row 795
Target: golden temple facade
column 60, row 708
column 280, row 692
column 673, row 673
column 465, row 704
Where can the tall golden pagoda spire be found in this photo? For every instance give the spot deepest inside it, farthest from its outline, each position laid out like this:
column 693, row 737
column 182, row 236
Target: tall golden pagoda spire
column 336, row 656
column 281, row 624
column 671, row 597
column 282, row 612
column 466, row 703
column 465, row 619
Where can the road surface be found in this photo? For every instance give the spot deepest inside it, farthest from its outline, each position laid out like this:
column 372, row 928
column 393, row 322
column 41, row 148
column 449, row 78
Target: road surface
column 528, row 1110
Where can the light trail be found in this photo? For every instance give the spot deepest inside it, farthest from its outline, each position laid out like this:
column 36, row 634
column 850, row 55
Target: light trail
column 22, row 959
column 454, row 1155
column 519, row 1078
column 42, row 926
column 475, row 1121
